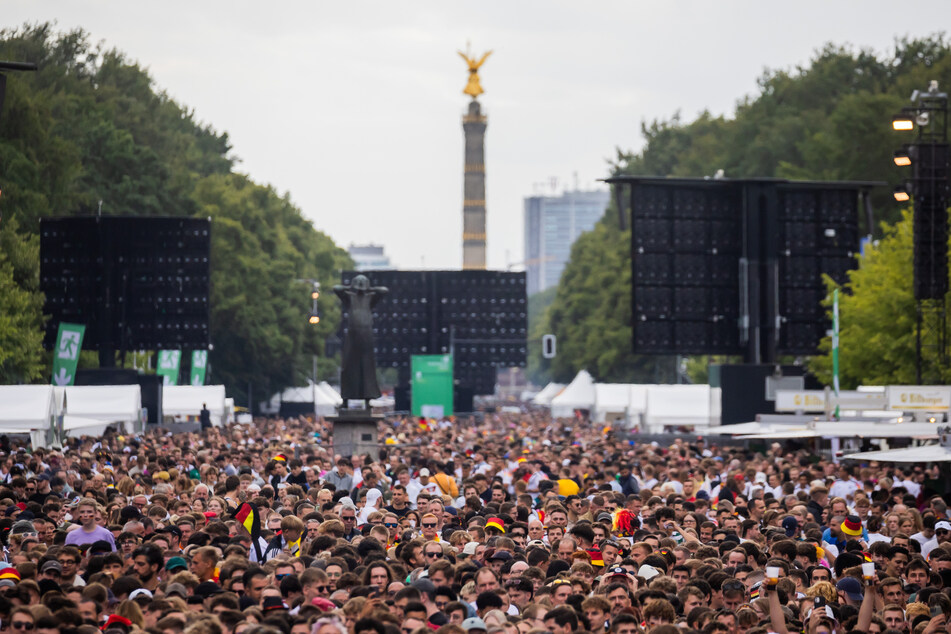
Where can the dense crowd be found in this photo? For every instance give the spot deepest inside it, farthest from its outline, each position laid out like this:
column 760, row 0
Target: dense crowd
column 506, row 524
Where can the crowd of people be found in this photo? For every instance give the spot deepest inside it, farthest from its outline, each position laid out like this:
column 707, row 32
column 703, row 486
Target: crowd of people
column 500, row 524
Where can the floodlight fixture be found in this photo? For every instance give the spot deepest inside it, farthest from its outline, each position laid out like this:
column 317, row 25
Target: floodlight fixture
column 902, row 158
column 903, row 122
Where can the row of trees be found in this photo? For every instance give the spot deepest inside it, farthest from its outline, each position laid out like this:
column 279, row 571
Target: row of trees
column 92, row 126
column 825, row 121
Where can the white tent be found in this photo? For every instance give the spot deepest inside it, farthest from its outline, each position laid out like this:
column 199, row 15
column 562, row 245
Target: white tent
column 578, row 395
column 848, row 429
column 611, row 401
column 549, row 392
column 107, row 404
column 689, row 405
column 742, row 429
column 324, row 398
column 28, row 409
column 330, row 392
column 183, row 401
column 921, row 455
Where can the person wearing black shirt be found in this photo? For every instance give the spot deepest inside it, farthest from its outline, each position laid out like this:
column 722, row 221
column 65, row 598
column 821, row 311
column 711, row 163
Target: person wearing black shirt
column 399, row 504
column 297, row 475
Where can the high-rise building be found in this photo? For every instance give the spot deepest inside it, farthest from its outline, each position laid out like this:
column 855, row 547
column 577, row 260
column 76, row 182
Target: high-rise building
column 369, row 257
column 552, row 224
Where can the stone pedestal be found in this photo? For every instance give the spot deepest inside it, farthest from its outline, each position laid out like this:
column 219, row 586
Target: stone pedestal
column 355, row 433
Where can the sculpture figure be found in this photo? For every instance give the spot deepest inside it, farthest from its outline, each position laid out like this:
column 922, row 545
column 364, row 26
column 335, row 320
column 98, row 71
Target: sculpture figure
column 473, row 88
column 358, row 374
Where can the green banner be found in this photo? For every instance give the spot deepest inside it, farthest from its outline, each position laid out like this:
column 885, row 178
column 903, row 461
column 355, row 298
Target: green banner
column 432, row 385
column 199, row 365
column 169, row 362
column 69, row 341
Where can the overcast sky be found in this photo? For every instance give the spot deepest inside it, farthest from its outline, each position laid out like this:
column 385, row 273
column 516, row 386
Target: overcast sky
column 354, row 108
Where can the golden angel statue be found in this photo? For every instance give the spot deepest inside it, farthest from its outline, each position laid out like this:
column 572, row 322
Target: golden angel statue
column 473, row 88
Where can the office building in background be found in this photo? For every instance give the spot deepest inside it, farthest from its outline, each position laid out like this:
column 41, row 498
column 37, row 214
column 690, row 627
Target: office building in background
column 369, row 257
column 552, row 224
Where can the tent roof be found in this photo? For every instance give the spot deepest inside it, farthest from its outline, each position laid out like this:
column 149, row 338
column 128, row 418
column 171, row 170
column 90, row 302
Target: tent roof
column 613, row 397
column 181, row 399
column 330, row 393
column 548, row 392
column 106, row 403
column 922, row 454
column 26, row 406
column 578, row 394
column 848, row 429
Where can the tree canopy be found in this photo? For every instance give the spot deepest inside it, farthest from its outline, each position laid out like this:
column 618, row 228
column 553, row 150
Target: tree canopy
column 91, row 126
column 828, row 120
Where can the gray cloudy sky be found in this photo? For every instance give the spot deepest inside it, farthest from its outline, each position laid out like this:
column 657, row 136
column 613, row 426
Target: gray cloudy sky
column 354, row 108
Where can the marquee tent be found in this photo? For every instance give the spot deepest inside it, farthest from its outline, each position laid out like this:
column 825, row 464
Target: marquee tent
column 921, row 455
column 688, row 405
column 611, row 401
column 89, row 409
column 330, row 393
column 28, row 409
column 183, row 401
column 578, row 395
column 549, row 392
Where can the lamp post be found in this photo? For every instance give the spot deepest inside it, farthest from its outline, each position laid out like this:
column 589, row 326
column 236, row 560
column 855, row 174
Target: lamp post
column 928, row 157
column 313, row 319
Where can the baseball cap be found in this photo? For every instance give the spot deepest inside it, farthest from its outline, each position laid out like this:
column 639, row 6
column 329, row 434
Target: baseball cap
column 474, row 623
column 425, row 472
column 176, row 589
column 470, row 548
column 943, row 524
column 851, row 587
column 790, row 525
column 648, row 572
column 175, row 563
column 140, row 592
column 52, row 565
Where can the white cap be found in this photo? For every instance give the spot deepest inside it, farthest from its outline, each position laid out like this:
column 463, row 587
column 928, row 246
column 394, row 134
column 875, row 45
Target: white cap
column 943, row 524
column 424, row 472
column 140, row 592
column 470, row 548
column 648, row 572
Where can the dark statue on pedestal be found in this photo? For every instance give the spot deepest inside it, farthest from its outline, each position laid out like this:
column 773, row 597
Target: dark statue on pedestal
column 358, row 374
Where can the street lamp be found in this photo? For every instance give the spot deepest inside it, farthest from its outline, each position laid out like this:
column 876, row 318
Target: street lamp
column 901, row 194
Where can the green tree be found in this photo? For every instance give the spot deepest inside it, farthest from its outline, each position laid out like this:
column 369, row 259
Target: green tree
column 91, row 126
column 827, row 120
column 877, row 315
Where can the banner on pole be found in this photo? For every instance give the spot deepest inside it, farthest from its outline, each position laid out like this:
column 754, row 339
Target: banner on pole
column 199, row 366
column 69, row 341
column 431, row 395
column 169, row 362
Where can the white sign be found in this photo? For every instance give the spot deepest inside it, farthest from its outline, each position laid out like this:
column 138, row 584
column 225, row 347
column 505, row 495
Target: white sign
column 919, row 398
column 852, row 399
column 800, row 401
column 432, row 411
